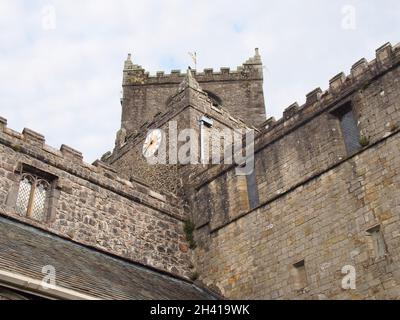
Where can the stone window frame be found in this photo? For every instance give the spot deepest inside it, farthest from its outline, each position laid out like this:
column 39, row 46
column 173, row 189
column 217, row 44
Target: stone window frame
column 252, row 192
column 338, row 113
column 377, row 245
column 52, row 198
column 299, row 276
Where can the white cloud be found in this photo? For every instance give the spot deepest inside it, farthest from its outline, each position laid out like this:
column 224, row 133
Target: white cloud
column 66, row 83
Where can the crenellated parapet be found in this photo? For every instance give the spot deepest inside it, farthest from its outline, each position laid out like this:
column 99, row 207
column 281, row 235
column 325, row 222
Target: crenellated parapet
column 239, row 91
column 91, row 204
column 361, row 74
column 365, row 82
column 66, row 159
column 249, row 70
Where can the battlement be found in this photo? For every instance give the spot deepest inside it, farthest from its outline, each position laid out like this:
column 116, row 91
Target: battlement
column 342, row 88
column 92, row 205
column 137, row 75
column 70, row 160
column 239, row 91
column 341, row 85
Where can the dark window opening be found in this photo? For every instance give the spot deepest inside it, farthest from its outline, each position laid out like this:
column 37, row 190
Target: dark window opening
column 215, row 100
column 252, row 190
column 349, row 128
column 377, row 242
column 299, row 275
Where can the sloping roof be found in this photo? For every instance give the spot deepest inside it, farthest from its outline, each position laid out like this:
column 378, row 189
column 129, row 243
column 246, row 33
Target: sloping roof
column 25, row 250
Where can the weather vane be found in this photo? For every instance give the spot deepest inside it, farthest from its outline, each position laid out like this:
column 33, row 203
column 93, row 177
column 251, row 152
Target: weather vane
column 193, row 55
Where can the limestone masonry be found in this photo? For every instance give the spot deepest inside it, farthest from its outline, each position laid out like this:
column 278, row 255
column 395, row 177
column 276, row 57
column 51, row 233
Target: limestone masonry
column 319, row 218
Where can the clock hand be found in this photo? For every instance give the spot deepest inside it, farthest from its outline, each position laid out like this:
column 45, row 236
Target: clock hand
column 145, row 151
column 149, row 145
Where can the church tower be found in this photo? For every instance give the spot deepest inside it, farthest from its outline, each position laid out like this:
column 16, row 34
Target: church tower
column 240, row 92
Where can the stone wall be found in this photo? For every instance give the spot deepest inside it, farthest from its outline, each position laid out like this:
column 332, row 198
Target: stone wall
column 317, row 202
column 93, row 206
column 324, row 223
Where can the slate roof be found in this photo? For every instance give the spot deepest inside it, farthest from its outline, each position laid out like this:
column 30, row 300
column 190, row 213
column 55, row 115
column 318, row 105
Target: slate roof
column 25, row 250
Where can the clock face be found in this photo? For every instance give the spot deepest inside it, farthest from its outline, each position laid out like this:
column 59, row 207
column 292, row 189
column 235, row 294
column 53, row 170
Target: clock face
column 152, row 143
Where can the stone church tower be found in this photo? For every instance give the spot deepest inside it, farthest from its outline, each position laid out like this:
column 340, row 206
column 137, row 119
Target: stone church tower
column 233, row 100
column 239, row 92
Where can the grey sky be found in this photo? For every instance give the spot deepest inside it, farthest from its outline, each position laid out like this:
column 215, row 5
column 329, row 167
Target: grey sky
column 62, row 77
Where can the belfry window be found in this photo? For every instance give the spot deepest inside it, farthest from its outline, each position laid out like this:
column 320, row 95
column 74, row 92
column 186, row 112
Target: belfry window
column 215, row 100
column 33, row 194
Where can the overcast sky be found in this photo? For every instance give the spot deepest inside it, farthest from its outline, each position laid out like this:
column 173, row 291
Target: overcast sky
column 61, row 61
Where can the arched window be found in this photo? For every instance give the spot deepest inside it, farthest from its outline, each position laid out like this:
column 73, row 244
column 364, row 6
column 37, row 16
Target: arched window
column 32, row 196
